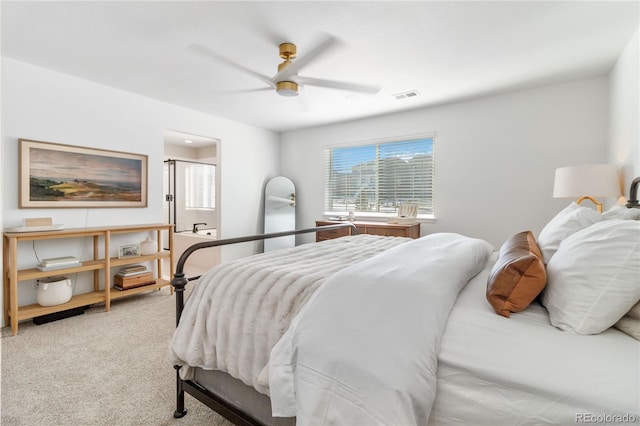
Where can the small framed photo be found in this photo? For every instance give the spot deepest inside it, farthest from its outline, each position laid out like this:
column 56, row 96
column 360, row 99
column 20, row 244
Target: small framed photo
column 129, row 250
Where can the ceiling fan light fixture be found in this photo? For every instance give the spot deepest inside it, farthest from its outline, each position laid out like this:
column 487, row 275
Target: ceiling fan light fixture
column 287, row 88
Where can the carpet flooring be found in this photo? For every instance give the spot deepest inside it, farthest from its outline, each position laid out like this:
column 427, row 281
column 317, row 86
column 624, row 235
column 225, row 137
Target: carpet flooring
column 99, row 368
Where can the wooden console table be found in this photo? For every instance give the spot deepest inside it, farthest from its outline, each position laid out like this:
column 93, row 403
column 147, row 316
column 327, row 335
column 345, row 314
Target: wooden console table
column 12, row 275
column 375, row 228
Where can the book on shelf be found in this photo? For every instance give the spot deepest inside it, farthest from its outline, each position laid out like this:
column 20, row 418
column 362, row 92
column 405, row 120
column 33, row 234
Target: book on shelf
column 59, row 260
column 133, row 270
column 56, row 266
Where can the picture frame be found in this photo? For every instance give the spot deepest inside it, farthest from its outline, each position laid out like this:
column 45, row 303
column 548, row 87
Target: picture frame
column 128, row 250
column 53, row 175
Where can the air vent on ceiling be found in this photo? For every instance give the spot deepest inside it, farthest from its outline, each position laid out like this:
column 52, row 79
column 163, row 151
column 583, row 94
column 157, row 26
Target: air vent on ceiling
column 406, row 95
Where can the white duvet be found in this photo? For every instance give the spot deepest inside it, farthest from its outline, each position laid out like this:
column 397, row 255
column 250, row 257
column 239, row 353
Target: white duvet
column 238, row 310
column 364, row 349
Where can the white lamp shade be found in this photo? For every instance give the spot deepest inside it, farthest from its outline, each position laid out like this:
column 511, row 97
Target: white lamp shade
column 593, row 180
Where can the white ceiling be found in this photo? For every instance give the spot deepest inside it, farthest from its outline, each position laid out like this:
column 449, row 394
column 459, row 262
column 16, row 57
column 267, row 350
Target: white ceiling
column 446, row 51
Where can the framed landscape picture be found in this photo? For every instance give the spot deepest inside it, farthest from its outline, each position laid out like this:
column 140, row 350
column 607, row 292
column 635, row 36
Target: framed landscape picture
column 57, row 175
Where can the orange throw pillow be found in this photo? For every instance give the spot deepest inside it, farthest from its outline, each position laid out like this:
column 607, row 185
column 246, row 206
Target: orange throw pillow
column 518, row 276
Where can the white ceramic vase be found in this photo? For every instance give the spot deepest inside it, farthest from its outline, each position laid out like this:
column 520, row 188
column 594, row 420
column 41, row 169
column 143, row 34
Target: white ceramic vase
column 148, row 246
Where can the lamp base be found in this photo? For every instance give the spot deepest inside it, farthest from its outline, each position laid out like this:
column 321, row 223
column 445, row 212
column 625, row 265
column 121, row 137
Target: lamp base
column 593, row 200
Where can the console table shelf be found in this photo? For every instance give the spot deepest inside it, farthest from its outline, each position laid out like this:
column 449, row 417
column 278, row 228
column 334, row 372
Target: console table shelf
column 101, row 239
column 31, row 311
column 34, row 273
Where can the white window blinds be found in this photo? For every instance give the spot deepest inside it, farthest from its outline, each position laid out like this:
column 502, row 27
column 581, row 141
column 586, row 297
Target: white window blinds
column 376, row 178
column 200, row 186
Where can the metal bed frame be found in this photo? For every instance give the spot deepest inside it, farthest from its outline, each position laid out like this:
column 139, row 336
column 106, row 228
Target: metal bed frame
column 179, row 282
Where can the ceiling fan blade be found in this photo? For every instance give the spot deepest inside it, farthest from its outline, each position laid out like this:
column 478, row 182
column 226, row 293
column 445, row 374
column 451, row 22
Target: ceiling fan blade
column 312, row 55
column 208, row 52
column 242, row 91
column 332, row 84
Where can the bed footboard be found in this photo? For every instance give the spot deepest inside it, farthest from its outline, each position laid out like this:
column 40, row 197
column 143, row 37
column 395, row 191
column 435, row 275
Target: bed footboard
column 179, row 283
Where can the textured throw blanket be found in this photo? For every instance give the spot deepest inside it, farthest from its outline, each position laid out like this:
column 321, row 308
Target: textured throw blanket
column 239, row 310
column 364, row 349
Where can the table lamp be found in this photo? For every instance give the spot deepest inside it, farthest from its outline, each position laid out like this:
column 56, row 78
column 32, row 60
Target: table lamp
column 586, row 182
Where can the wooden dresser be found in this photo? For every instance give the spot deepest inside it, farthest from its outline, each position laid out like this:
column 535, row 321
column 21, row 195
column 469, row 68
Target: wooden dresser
column 375, row 228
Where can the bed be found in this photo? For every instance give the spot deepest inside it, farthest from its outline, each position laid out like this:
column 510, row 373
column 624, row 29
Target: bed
column 443, row 330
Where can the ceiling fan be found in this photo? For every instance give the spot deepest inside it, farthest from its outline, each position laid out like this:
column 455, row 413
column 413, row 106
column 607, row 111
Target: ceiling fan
column 287, row 81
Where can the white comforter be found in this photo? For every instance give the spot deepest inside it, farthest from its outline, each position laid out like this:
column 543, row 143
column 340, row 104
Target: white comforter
column 364, row 349
column 238, row 310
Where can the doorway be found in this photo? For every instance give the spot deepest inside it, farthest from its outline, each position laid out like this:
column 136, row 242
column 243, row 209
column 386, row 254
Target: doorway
column 191, row 203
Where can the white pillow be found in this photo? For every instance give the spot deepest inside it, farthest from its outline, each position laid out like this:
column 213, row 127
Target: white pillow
column 571, row 219
column 593, row 280
column 632, row 214
column 616, row 212
column 621, row 212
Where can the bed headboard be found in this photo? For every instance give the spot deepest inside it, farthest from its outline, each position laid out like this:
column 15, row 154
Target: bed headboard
column 633, row 194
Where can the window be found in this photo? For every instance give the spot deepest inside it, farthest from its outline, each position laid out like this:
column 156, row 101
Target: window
column 374, row 179
column 200, row 186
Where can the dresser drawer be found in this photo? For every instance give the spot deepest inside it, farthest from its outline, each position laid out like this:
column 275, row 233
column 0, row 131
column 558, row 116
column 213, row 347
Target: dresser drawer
column 331, row 234
column 374, row 228
column 389, row 232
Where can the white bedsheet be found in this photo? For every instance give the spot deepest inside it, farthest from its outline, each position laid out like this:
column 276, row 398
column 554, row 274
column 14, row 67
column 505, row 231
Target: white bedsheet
column 498, row 371
column 363, row 350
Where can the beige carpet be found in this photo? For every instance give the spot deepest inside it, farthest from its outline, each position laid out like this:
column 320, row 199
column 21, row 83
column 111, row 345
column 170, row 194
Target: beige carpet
column 100, row 368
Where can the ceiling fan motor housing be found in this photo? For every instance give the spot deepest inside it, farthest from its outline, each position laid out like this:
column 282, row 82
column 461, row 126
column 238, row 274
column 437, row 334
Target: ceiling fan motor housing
column 287, row 88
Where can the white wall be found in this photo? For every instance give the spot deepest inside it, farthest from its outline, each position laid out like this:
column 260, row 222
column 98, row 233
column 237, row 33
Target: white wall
column 205, row 154
column 624, row 134
column 44, row 105
column 495, row 157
